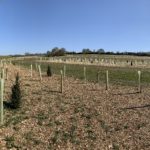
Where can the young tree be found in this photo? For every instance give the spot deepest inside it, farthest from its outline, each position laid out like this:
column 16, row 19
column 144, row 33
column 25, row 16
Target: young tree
column 16, row 94
column 49, row 72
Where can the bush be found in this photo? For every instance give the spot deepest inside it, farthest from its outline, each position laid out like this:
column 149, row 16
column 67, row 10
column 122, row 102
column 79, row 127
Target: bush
column 16, row 94
column 49, row 72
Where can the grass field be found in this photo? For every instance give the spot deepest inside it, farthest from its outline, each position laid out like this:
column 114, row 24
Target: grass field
column 117, row 75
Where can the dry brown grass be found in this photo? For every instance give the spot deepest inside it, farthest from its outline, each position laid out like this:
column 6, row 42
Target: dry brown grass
column 85, row 116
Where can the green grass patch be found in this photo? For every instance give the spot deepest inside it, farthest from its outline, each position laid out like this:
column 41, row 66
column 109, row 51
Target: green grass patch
column 121, row 76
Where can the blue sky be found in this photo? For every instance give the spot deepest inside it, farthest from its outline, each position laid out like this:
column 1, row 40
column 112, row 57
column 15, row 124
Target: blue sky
column 39, row 25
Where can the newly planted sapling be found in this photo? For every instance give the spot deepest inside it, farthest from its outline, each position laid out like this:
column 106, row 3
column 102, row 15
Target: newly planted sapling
column 49, row 72
column 16, row 94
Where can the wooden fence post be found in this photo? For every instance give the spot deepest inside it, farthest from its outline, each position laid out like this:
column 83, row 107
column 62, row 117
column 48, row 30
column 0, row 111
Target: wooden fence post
column 31, row 70
column 84, row 74
column 61, row 88
column 139, row 81
column 1, row 101
column 39, row 67
column 107, row 80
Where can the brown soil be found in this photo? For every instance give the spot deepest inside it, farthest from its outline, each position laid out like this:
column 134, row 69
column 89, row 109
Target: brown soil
column 84, row 116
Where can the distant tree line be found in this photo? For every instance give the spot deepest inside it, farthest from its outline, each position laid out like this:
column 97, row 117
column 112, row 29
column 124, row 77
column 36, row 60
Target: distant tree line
column 62, row 51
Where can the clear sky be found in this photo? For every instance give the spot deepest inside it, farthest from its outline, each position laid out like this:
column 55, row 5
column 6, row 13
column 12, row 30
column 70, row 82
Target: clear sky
column 39, row 25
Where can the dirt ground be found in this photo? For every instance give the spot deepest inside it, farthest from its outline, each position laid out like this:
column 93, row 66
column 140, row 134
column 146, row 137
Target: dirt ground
column 84, row 116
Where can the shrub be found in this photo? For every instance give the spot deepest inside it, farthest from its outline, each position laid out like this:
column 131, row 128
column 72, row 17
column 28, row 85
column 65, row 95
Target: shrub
column 49, row 72
column 16, row 94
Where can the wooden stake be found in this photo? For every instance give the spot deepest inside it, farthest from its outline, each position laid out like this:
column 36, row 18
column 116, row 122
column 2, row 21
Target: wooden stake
column 64, row 70
column 39, row 67
column 61, row 89
column 107, row 80
column 139, row 81
column 84, row 74
column 1, row 101
column 31, row 70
